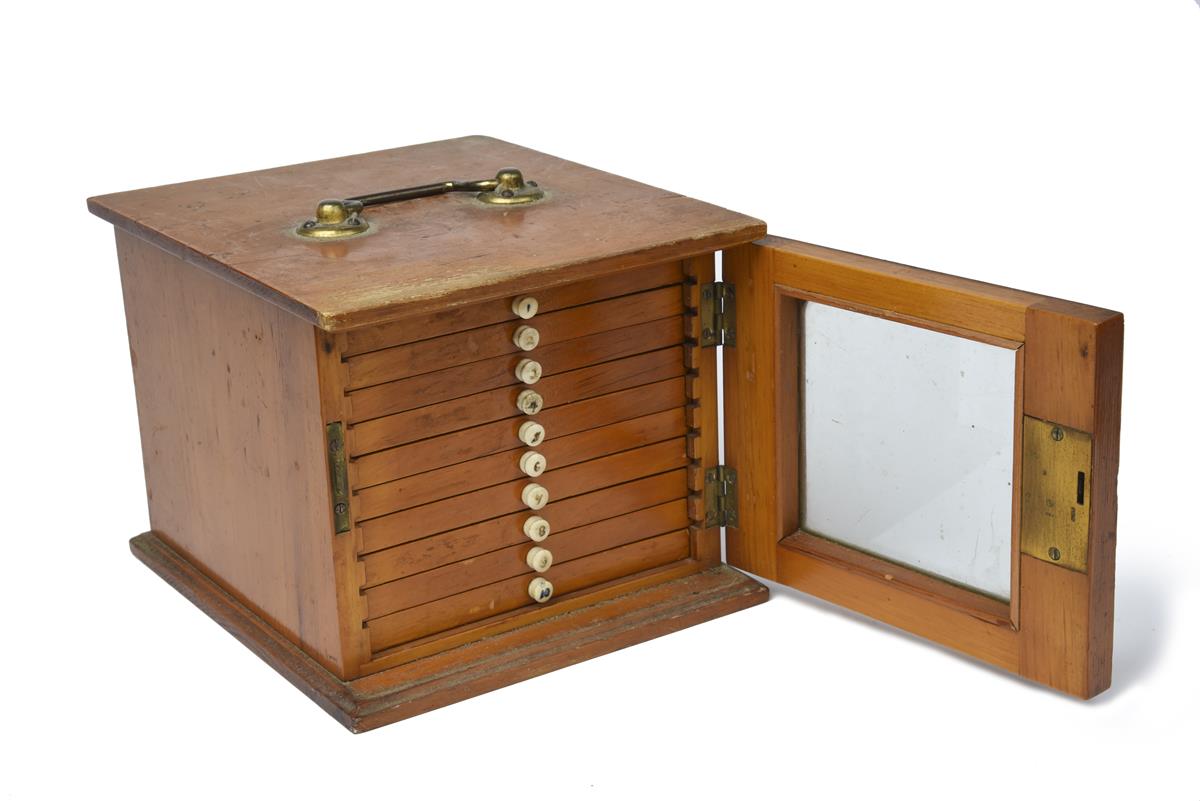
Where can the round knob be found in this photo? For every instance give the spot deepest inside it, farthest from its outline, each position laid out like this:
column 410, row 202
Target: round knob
column 536, row 528
column 531, row 433
column 529, row 401
column 539, row 559
column 526, row 337
column 540, row 590
column 525, row 307
column 535, row 496
column 528, row 371
column 533, row 464
column 332, row 212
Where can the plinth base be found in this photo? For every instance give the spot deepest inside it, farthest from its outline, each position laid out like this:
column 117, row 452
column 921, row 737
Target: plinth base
column 449, row 676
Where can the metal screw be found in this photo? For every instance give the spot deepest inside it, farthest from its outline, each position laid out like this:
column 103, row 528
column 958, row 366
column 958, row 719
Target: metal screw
column 531, row 183
column 309, row 223
column 1056, row 434
column 335, row 446
column 1055, row 554
column 340, row 508
column 506, row 193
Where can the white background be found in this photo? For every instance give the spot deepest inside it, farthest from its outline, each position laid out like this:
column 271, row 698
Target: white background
column 1050, row 146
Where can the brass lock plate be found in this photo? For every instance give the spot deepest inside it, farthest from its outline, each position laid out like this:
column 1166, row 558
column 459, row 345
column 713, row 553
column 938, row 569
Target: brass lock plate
column 1056, row 493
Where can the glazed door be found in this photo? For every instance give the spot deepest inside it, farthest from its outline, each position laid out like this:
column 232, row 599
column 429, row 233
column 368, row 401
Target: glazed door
column 933, row 452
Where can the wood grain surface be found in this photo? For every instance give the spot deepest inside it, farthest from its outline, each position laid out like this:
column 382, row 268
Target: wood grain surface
column 456, row 382
column 428, row 255
column 449, row 320
column 1074, row 357
column 233, row 441
column 471, row 443
column 510, row 594
column 495, row 533
column 1058, row 628
column 561, row 636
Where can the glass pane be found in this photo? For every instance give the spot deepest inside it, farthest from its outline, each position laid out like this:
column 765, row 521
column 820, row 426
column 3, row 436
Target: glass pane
column 908, row 445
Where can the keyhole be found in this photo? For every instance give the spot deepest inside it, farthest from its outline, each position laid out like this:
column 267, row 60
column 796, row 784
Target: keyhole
column 1079, row 482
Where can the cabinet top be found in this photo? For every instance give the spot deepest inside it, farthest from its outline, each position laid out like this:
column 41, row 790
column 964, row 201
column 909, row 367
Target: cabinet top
column 420, row 254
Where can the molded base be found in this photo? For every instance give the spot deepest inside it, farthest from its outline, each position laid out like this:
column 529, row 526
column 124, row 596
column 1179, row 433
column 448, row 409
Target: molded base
column 449, row 676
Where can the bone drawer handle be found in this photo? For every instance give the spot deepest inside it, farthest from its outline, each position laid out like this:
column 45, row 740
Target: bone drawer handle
column 531, row 433
column 528, row 371
column 535, row 496
column 536, row 528
column 530, row 402
column 539, row 559
column 540, row 590
column 525, row 307
column 533, row 464
column 526, row 337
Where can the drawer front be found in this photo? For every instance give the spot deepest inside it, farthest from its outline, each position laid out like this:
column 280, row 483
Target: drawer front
column 474, row 430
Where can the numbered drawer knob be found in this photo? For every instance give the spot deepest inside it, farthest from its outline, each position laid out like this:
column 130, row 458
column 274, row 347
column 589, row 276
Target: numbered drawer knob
column 535, row 496
column 530, row 402
column 528, row 371
column 526, row 337
column 525, row 307
column 533, row 464
column 536, row 528
column 540, row 590
column 539, row 559
column 531, row 433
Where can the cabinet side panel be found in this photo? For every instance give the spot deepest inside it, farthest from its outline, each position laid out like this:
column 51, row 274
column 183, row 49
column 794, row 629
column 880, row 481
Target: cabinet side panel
column 232, row 438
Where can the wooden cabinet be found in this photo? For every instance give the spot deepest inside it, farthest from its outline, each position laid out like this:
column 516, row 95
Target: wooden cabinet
column 469, row 442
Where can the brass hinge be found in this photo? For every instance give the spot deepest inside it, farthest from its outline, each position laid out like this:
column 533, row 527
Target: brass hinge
column 720, row 497
column 339, row 481
column 718, row 315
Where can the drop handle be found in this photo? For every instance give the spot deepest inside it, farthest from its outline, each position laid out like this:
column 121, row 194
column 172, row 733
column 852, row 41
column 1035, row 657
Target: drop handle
column 340, row 218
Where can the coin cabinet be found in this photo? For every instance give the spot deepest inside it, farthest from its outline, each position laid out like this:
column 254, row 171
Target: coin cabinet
column 424, row 422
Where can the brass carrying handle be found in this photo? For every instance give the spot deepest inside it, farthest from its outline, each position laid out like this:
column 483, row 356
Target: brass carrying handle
column 342, row 218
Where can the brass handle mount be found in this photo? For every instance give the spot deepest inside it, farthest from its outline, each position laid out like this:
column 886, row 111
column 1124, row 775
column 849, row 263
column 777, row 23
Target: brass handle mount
column 342, row 218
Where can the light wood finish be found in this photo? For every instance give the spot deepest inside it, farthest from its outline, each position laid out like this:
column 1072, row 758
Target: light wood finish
column 914, row 581
column 510, row 594
column 921, row 614
column 433, row 518
column 563, row 636
column 429, row 355
column 751, row 392
column 1058, row 629
column 427, row 255
column 498, row 468
column 417, row 341
column 351, row 607
column 455, row 382
column 702, row 405
column 509, row 562
column 233, row 442
column 482, row 440
column 499, row 404
column 1073, row 377
column 490, row 535
column 923, row 294
column 415, row 328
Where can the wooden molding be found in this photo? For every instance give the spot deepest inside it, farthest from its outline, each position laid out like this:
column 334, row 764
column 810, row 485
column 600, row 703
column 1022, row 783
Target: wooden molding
column 444, row 678
column 1073, row 378
column 1059, row 627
